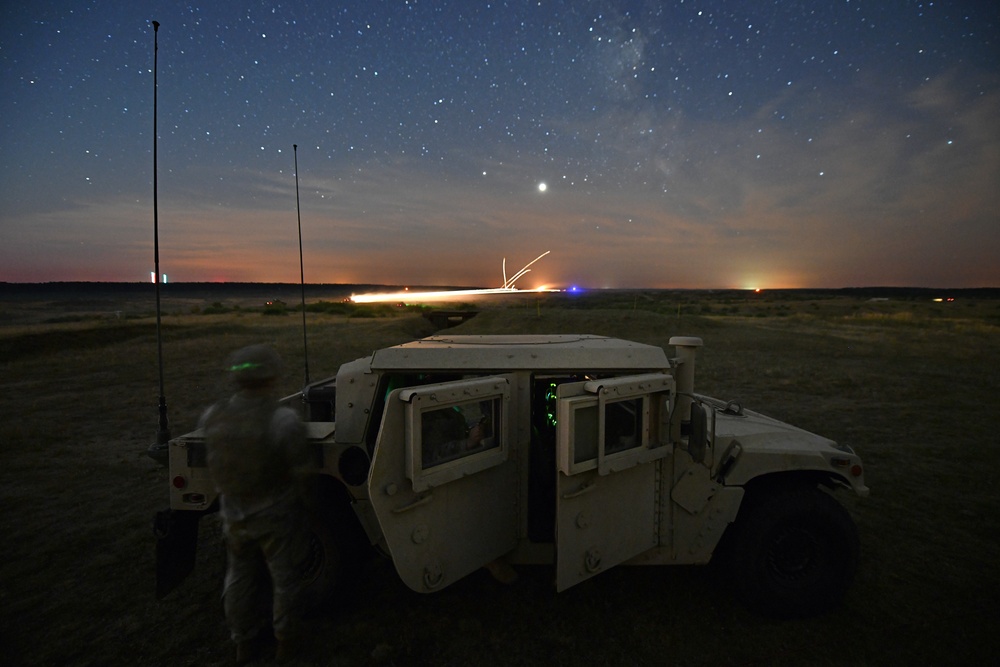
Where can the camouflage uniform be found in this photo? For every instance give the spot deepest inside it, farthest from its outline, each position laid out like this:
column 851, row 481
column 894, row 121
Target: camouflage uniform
column 258, row 459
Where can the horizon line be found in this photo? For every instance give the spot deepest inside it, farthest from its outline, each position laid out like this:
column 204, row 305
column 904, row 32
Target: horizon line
column 569, row 289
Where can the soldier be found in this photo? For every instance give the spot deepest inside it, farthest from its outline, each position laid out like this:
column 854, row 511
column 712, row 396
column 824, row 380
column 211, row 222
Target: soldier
column 259, row 462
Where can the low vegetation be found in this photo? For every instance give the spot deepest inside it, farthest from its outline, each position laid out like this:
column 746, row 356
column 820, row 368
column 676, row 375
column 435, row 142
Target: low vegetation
column 912, row 384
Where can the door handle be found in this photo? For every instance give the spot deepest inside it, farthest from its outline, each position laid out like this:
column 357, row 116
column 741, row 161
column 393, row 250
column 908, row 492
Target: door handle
column 586, row 488
column 423, row 500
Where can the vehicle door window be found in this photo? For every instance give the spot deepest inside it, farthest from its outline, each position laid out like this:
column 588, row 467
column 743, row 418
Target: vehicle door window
column 455, row 429
column 451, row 433
column 613, row 423
column 623, row 425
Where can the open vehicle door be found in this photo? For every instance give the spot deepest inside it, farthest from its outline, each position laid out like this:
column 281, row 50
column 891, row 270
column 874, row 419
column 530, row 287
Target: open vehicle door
column 446, row 489
column 611, row 434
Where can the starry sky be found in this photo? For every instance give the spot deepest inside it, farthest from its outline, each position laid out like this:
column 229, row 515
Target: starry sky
column 657, row 144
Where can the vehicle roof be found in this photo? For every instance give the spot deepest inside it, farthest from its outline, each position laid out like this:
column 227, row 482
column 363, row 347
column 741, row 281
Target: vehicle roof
column 521, row 352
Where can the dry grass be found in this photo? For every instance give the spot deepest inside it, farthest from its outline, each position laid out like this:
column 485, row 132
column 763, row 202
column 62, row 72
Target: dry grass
column 911, row 386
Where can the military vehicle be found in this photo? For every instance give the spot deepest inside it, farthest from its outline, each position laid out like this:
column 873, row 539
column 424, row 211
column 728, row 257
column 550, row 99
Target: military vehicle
column 578, row 452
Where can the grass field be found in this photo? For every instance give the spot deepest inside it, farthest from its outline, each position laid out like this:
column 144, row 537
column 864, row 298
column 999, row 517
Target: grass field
column 913, row 385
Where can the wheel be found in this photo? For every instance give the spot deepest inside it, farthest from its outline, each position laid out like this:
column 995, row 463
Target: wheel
column 321, row 571
column 335, row 553
column 793, row 552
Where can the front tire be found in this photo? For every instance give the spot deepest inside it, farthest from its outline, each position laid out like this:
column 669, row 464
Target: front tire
column 793, row 552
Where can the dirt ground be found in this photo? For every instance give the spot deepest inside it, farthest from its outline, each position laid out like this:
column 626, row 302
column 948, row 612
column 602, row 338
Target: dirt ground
column 911, row 386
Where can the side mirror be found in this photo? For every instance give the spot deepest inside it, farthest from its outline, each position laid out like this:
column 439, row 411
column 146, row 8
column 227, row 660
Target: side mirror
column 698, row 439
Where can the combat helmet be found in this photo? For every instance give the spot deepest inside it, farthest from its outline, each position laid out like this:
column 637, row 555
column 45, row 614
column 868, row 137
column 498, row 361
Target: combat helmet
column 253, row 365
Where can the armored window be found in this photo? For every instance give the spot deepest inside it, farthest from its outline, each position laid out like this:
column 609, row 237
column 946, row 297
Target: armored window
column 455, row 429
column 623, row 421
column 613, row 424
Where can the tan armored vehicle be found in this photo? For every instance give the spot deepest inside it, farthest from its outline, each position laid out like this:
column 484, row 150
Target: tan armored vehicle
column 577, row 451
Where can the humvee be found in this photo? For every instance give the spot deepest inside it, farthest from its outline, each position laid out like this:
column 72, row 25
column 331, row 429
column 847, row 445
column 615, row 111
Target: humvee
column 579, row 452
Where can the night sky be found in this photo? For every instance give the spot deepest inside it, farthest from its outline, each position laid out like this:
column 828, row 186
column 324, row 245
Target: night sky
column 687, row 144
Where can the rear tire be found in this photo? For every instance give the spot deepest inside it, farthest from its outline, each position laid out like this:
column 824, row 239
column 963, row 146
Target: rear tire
column 793, row 552
column 336, row 550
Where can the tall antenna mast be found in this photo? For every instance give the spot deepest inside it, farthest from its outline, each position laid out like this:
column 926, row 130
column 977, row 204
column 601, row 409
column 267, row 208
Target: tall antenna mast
column 302, row 271
column 159, row 449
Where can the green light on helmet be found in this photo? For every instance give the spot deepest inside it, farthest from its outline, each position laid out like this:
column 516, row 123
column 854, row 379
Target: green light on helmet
column 245, row 366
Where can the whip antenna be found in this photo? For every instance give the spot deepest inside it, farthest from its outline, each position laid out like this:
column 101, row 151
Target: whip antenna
column 302, row 271
column 158, row 450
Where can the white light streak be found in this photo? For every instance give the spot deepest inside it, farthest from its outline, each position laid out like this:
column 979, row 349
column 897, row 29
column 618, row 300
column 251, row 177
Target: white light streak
column 445, row 295
column 509, row 284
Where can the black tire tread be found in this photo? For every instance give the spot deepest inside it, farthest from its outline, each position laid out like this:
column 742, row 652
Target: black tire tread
column 804, row 511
